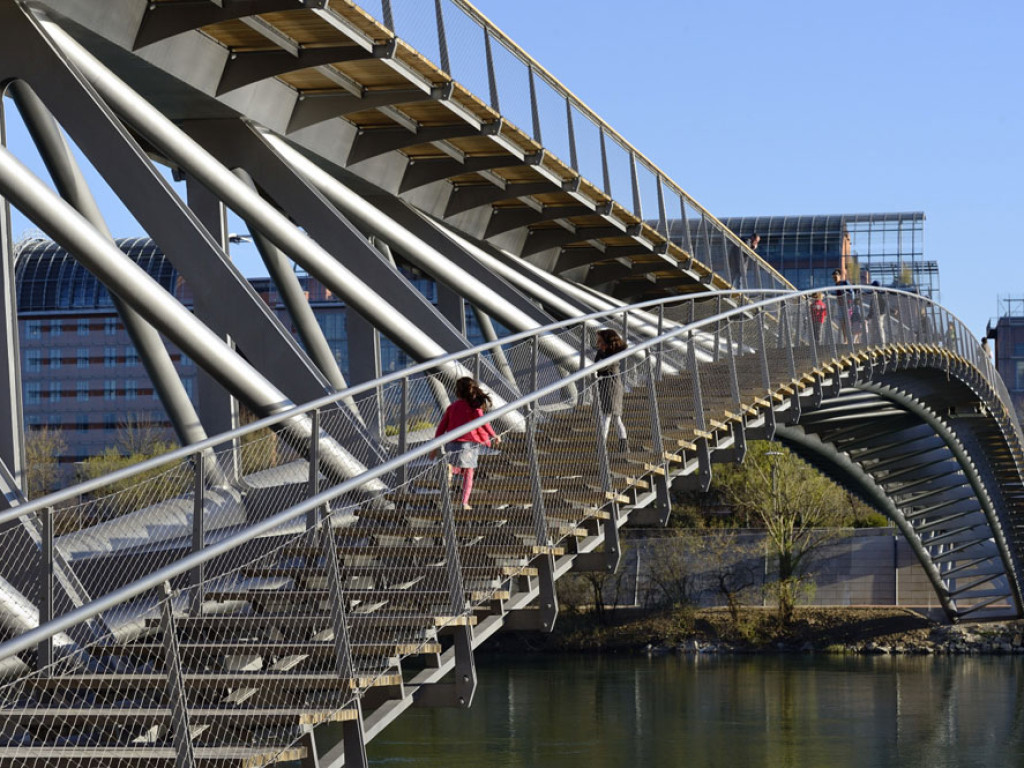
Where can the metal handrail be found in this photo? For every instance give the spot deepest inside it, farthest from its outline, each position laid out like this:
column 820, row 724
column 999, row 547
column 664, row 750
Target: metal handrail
column 470, row 10
column 606, row 130
column 189, row 451
column 198, row 558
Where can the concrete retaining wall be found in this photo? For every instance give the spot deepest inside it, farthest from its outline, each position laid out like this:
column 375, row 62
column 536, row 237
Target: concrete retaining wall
column 859, row 567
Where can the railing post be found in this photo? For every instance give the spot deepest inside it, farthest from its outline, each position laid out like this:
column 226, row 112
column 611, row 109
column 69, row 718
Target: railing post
column 46, row 606
column 456, row 592
column 718, row 326
column 766, row 377
column 465, row 670
column 662, row 212
column 442, row 38
column 661, row 486
column 313, row 480
column 403, row 430
column 492, row 81
column 344, row 667
column 548, row 610
column 661, row 342
column 197, row 575
column 604, row 164
column 814, row 335
column 534, row 109
column 685, row 240
column 739, row 433
column 534, row 362
column 700, row 424
column 574, row 161
column 638, row 208
column 786, row 333
column 734, row 378
column 766, row 374
column 612, row 545
column 181, row 730
column 583, row 345
column 625, row 326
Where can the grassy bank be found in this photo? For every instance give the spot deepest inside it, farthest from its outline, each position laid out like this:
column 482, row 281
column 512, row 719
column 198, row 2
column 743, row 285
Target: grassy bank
column 751, row 629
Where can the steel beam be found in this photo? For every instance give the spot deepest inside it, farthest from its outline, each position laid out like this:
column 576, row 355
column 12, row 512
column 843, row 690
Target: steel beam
column 313, row 108
column 163, row 20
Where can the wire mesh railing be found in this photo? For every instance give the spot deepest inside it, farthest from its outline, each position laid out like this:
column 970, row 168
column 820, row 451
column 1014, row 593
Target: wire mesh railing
column 217, row 602
column 469, row 48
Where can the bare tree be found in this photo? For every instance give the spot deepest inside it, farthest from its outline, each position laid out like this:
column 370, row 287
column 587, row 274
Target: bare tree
column 43, row 449
column 138, row 435
column 734, row 575
column 798, row 508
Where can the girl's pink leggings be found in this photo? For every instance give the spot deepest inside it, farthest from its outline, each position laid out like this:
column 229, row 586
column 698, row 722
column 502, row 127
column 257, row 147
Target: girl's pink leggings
column 467, row 482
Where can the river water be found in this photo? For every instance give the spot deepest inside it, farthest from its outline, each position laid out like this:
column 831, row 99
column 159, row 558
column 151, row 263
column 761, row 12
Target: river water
column 784, row 711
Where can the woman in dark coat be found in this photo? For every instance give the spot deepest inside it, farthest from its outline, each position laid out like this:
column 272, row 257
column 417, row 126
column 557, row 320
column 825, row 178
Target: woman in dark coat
column 609, row 385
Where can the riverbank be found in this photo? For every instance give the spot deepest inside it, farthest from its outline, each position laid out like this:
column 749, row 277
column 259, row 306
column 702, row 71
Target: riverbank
column 875, row 630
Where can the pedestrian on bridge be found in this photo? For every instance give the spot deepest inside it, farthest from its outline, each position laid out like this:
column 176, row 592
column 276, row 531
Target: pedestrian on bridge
column 609, row 385
column 463, row 452
column 844, row 302
column 819, row 311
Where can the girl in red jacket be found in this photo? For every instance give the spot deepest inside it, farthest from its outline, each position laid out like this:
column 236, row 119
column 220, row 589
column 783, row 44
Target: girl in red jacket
column 463, row 452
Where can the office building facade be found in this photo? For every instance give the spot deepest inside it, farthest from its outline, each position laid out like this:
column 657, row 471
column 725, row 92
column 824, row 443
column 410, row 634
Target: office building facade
column 81, row 373
column 888, row 247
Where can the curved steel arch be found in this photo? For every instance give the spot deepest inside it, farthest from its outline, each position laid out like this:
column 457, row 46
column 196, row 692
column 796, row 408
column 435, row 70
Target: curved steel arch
column 903, row 443
column 910, row 414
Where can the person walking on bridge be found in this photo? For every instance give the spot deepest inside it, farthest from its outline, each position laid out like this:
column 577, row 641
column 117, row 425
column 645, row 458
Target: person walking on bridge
column 463, row 452
column 844, row 303
column 609, row 385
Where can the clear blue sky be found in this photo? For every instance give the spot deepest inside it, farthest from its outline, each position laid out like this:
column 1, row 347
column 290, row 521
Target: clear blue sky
column 811, row 107
column 807, row 107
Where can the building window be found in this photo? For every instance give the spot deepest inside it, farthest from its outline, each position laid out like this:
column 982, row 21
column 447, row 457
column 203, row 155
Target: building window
column 190, row 387
column 55, row 391
column 33, row 329
column 186, row 361
column 56, row 327
column 33, row 393
column 33, row 360
column 131, row 389
column 110, row 326
column 110, row 421
column 131, row 355
column 83, row 357
column 34, row 422
column 55, row 359
column 83, row 327
column 110, row 389
column 82, row 421
column 109, row 357
column 82, row 391
column 1020, row 375
column 54, row 420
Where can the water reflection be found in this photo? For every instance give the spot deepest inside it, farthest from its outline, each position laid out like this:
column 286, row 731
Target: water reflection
column 778, row 712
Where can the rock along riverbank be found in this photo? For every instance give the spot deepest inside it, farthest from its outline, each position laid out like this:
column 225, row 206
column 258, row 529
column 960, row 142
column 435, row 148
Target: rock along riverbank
column 880, row 631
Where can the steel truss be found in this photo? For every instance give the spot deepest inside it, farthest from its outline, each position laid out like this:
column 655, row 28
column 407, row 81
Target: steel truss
column 315, row 572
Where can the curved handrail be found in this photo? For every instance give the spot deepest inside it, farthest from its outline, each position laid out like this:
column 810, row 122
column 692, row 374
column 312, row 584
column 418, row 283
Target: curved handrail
column 318, row 501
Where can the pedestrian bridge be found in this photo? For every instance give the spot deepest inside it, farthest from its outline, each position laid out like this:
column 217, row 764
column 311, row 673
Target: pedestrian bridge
column 282, row 591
